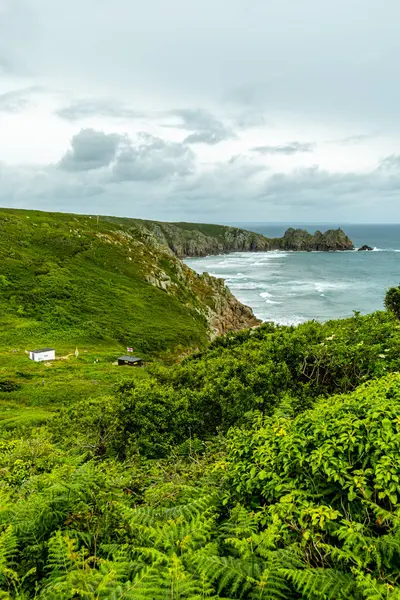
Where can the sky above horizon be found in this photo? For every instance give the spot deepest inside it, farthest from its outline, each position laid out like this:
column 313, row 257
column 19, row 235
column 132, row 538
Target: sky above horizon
column 203, row 110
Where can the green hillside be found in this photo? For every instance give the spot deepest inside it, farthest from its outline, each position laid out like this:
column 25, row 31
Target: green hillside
column 263, row 466
column 69, row 280
column 101, row 285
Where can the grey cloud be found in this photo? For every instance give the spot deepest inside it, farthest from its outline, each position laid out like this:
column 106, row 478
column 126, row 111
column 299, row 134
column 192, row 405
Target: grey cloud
column 152, row 178
column 236, row 191
column 90, row 150
column 151, row 159
column 17, row 100
column 46, row 187
column 205, row 137
column 196, row 118
column 250, row 95
column 390, row 163
column 359, row 138
column 292, row 148
column 206, row 128
column 250, row 119
column 82, row 109
column 327, row 65
column 321, row 190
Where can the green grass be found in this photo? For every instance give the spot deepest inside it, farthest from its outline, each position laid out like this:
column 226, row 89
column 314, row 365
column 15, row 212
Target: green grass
column 70, row 281
column 66, row 280
column 41, row 389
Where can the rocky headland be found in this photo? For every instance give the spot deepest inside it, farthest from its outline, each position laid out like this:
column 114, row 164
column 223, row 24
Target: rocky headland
column 123, row 278
column 196, row 239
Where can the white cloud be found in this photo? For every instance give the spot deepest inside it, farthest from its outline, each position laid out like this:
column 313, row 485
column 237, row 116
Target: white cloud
column 141, row 107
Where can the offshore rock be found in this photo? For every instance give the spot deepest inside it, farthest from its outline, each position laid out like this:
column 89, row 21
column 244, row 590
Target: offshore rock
column 300, row 240
column 365, row 248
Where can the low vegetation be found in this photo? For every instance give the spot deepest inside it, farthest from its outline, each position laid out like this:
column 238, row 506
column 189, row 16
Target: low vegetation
column 70, row 280
column 264, row 467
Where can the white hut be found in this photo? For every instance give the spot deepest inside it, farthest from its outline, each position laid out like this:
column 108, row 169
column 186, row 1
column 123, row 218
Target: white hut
column 42, row 354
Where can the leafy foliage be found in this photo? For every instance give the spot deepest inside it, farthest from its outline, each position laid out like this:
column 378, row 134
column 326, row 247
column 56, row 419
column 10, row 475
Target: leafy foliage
column 268, row 369
column 329, row 482
column 392, row 301
column 265, row 467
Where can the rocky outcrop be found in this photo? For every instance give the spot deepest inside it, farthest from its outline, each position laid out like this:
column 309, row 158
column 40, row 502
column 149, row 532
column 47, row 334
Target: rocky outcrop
column 203, row 240
column 365, row 248
column 226, row 313
column 190, row 239
column 208, row 295
column 198, row 239
column 332, row 240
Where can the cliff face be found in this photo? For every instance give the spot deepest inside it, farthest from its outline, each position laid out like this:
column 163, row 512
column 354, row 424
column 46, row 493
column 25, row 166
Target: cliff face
column 201, row 240
column 208, row 295
column 111, row 281
column 189, row 239
column 225, row 313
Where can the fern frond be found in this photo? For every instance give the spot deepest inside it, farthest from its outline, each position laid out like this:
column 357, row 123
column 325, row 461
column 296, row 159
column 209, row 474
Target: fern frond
column 241, row 523
column 370, row 589
column 188, row 511
column 8, row 548
column 326, row 584
column 62, row 555
column 233, row 575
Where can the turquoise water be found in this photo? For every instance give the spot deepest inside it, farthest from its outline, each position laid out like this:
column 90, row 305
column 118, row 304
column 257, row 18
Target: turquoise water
column 292, row 287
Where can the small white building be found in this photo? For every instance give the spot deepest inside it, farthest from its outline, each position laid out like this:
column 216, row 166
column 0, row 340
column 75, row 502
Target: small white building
column 42, row 354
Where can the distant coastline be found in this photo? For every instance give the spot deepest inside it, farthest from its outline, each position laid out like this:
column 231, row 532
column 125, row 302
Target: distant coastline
column 291, row 287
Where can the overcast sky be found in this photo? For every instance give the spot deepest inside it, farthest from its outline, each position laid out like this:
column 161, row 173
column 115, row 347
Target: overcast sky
column 203, row 110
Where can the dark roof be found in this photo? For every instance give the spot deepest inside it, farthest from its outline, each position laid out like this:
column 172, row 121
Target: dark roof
column 42, row 350
column 128, row 358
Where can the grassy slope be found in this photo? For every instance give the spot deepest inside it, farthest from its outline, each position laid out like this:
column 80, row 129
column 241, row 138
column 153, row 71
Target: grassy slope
column 67, row 281
column 208, row 229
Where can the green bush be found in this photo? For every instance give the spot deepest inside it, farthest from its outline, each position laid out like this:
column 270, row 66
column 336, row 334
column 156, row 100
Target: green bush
column 6, row 385
column 392, row 301
column 328, row 483
column 268, row 369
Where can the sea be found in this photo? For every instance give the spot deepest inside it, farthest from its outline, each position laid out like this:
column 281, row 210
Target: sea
column 294, row 287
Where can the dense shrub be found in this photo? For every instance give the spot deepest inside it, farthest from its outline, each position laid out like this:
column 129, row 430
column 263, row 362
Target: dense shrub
column 6, row 385
column 392, row 301
column 267, row 369
column 328, row 483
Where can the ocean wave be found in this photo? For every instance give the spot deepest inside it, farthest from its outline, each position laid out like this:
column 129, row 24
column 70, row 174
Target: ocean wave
column 290, row 320
column 226, row 264
column 251, row 285
column 385, row 250
column 274, row 254
column 265, row 295
column 316, row 286
column 269, row 301
column 237, row 276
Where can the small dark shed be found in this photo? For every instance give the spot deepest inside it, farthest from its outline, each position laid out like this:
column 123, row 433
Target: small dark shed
column 132, row 361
